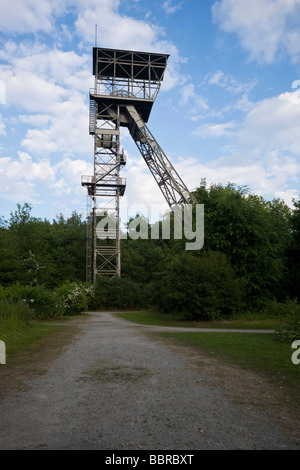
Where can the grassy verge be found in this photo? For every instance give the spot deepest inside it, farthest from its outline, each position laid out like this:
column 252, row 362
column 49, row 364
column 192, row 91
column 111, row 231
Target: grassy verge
column 30, row 349
column 150, row 317
column 253, row 351
column 25, row 338
column 258, row 352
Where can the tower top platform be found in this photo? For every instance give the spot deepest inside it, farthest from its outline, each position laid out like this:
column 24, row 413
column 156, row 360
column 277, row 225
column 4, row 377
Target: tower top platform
column 133, row 65
column 127, row 78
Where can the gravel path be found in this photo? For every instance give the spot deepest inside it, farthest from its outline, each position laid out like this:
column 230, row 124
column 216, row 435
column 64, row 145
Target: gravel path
column 117, row 388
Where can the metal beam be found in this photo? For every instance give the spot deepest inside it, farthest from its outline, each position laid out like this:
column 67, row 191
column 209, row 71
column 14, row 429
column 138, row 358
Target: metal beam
column 167, row 178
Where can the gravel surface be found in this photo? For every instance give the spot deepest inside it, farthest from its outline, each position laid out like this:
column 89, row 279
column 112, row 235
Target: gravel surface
column 117, row 387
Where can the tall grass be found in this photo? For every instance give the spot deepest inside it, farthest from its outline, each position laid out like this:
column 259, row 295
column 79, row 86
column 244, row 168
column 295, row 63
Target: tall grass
column 14, row 315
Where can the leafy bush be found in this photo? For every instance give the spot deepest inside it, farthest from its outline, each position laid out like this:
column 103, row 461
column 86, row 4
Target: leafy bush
column 47, row 304
column 73, row 297
column 118, row 293
column 202, row 287
column 43, row 301
column 289, row 320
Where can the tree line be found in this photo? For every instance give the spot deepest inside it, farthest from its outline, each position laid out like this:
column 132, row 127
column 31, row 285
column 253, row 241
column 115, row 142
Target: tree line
column 250, row 256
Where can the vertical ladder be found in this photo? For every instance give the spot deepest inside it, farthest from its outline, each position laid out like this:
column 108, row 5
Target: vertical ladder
column 92, row 117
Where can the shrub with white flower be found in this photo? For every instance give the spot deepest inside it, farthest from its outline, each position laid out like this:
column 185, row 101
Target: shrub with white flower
column 73, row 297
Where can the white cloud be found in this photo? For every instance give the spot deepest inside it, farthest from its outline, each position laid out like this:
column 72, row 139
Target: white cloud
column 215, row 130
column 263, row 26
column 28, row 16
column 37, row 77
column 31, row 92
column 141, row 185
column 189, row 95
column 274, row 123
column 18, row 177
column 117, row 31
column 25, row 179
column 2, row 92
column 228, row 82
column 68, row 176
column 288, row 196
column 2, row 126
column 264, row 153
column 235, row 88
column 51, row 86
column 270, row 174
column 52, row 64
column 67, row 133
column 270, row 124
column 194, row 102
column 171, row 8
column 37, row 120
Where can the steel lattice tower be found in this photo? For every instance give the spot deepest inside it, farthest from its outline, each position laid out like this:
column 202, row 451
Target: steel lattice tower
column 126, row 86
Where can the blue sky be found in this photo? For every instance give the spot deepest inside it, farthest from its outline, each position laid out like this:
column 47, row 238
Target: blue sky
column 228, row 109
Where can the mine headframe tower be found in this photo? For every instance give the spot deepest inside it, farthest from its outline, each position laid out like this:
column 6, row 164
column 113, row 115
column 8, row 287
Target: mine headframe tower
column 126, row 86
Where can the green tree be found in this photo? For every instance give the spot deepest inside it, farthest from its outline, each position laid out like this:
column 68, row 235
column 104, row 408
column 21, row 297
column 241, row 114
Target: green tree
column 36, row 252
column 250, row 231
column 293, row 254
column 67, row 249
column 10, row 264
column 24, row 237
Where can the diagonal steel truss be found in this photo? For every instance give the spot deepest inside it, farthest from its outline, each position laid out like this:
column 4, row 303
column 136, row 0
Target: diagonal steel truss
column 167, row 178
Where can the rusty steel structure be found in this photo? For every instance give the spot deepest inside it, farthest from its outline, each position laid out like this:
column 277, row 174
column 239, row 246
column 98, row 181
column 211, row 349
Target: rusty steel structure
column 126, row 86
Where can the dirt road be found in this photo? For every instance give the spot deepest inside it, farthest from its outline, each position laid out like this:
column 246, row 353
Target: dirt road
column 114, row 386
